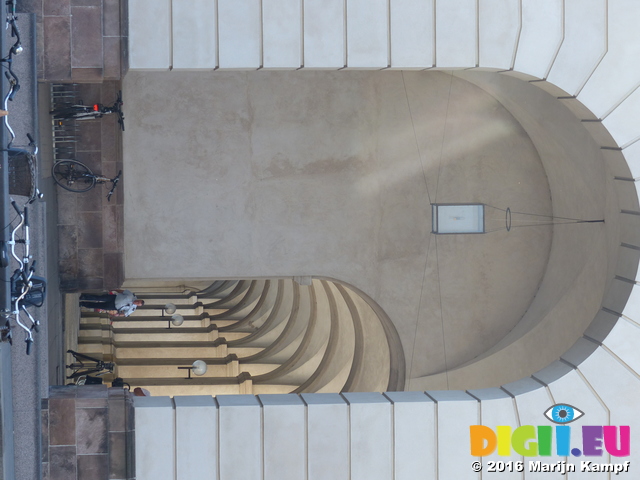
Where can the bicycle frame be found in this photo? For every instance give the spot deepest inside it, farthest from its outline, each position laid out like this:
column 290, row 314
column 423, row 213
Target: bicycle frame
column 89, row 112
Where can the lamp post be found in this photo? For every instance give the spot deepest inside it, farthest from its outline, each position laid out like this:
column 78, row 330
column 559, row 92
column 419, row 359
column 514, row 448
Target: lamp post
column 169, row 309
column 199, row 368
column 176, row 319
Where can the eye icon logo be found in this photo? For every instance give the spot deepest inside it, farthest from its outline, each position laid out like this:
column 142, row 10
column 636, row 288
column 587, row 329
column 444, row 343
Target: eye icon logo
column 562, row 413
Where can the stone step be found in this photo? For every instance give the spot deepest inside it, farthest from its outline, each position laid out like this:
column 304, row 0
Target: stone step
column 272, row 325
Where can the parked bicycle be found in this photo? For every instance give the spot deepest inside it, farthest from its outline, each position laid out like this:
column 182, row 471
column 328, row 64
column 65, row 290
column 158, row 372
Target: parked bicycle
column 23, row 163
column 76, row 177
column 89, row 112
column 27, row 289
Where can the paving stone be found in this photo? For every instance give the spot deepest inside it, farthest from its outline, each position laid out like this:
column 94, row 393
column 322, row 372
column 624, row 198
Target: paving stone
column 90, row 158
column 90, row 201
column 69, row 248
column 30, row 6
column 109, row 168
column 110, row 237
column 118, row 455
column 91, row 403
column 114, row 271
column 62, row 391
column 89, row 93
column 90, row 137
column 62, row 422
column 130, row 455
column 91, row 427
column 110, row 143
column 90, row 262
column 89, row 283
column 112, row 58
column 94, row 467
column 67, row 211
column 44, row 429
column 56, row 7
column 57, row 52
column 89, row 230
column 86, row 37
column 111, row 18
column 62, row 464
column 117, row 414
column 84, row 74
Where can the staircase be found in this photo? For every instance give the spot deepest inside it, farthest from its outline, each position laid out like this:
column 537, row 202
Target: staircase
column 256, row 336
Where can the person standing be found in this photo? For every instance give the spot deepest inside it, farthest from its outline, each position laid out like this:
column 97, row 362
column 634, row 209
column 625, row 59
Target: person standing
column 120, row 303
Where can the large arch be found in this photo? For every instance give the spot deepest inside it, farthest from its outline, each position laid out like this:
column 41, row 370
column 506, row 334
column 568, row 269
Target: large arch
column 580, row 53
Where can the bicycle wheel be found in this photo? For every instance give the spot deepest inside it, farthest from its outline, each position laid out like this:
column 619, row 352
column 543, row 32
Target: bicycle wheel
column 73, row 175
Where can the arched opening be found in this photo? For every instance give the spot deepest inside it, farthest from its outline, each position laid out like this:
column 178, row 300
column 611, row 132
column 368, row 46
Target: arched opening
column 332, row 174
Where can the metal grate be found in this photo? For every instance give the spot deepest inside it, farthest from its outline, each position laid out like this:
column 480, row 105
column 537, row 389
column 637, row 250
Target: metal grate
column 64, row 131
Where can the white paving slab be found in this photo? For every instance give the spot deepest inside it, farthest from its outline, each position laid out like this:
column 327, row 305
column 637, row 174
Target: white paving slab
column 324, row 34
column 282, row 33
column 623, row 341
column 370, row 427
column 573, row 390
column 632, row 308
column 194, row 35
column 499, row 412
column 617, row 75
column 239, row 34
column 622, row 123
column 455, row 412
column 412, row 33
column 367, row 34
column 240, row 437
column 498, row 32
column 632, row 156
column 284, row 437
column 541, row 36
column 414, row 428
column 328, row 436
column 196, row 437
column 154, row 433
column 150, row 35
column 619, row 389
column 456, row 34
column 531, row 408
column 585, row 43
